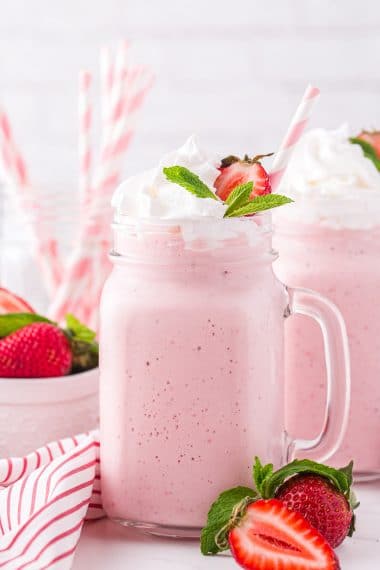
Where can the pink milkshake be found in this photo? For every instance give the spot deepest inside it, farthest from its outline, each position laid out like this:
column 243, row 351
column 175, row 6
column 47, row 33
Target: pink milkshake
column 329, row 241
column 192, row 409
column 192, row 321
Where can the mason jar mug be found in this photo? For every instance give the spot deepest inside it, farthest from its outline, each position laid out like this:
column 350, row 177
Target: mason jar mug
column 192, row 368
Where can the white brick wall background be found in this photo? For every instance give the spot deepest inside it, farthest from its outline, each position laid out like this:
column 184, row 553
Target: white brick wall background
column 231, row 71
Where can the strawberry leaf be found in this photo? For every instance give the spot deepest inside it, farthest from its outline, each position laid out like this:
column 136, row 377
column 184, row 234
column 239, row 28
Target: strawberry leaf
column 12, row 322
column 258, row 204
column 339, row 478
column 368, row 151
column 188, row 180
column 220, row 515
column 347, row 470
column 79, row 330
column 84, row 347
column 261, row 473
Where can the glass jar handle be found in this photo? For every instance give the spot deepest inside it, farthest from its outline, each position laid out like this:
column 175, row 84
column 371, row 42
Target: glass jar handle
column 338, row 389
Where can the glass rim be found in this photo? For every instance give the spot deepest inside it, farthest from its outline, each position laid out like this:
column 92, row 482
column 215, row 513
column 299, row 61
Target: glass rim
column 124, row 221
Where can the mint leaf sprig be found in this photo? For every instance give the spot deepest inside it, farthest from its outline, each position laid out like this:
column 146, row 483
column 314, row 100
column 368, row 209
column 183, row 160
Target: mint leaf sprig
column 188, row 180
column 220, row 518
column 238, row 202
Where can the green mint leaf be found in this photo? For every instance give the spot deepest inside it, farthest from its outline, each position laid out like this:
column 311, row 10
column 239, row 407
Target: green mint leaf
column 238, row 198
column 219, row 516
column 78, row 330
column 188, row 180
column 337, row 477
column 240, row 194
column 261, row 474
column 368, row 150
column 13, row 321
column 259, row 204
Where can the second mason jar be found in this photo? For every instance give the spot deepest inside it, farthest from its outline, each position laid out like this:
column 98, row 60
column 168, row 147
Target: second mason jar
column 341, row 260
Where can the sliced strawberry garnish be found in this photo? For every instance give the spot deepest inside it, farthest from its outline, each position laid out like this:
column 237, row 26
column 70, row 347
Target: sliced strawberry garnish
column 11, row 303
column 234, row 172
column 372, row 138
column 270, row 536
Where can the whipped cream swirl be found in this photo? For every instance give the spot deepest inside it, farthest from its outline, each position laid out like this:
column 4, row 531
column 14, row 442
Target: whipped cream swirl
column 150, row 195
column 332, row 182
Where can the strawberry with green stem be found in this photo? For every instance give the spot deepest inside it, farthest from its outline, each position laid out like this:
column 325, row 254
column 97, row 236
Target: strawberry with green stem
column 32, row 346
column 293, row 517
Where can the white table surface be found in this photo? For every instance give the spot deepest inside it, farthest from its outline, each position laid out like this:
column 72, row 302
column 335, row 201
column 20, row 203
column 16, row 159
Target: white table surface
column 107, row 546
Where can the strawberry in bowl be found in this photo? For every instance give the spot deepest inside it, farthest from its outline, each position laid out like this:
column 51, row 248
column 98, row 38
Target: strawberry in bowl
column 32, row 346
column 49, row 378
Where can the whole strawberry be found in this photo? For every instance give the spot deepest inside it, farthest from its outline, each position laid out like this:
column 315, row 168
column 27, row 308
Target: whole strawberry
column 32, row 346
column 321, row 494
column 38, row 350
column 319, row 502
column 234, row 171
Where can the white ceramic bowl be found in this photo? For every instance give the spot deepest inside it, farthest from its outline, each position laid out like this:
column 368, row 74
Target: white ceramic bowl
column 34, row 412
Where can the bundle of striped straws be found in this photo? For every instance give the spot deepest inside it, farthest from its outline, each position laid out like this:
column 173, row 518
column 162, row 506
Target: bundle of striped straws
column 74, row 283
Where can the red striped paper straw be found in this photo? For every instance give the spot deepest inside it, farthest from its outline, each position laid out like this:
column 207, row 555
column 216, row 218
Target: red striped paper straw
column 296, row 128
column 84, row 139
column 13, row 161
column 123, row 90
column 107, row 78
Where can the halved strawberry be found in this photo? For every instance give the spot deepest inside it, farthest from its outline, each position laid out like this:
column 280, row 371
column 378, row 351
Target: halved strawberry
column 11, row 303
column 269, row 536
column 234, row 172
column 372, row 138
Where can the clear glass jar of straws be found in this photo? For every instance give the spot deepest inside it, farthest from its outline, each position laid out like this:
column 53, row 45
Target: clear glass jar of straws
column 31, row 236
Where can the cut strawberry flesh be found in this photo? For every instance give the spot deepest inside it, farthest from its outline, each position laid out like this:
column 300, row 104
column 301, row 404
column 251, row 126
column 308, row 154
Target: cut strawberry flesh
column 240, row 173
column 271, row 537
column 11, row 303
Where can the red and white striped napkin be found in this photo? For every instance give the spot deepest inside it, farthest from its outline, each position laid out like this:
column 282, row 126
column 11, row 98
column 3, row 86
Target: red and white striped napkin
column 44, row 499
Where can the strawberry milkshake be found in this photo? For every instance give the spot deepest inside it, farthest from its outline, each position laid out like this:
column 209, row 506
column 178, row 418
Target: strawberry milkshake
column 329, row 241
column 191, row 338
